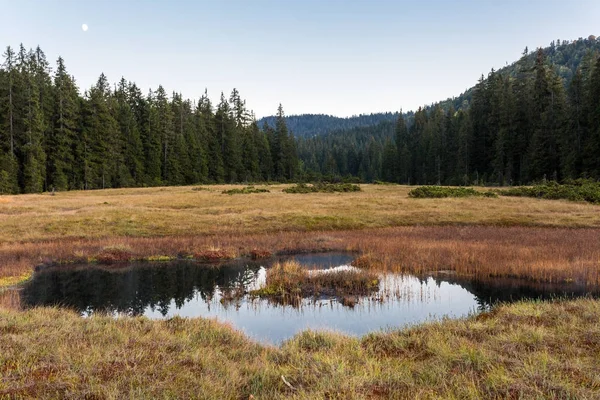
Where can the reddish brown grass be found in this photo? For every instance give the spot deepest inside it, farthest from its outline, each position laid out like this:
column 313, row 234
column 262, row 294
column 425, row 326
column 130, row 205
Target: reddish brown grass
column 114, row 254
column 213, row 255
column 257, row 254
column 541, row 254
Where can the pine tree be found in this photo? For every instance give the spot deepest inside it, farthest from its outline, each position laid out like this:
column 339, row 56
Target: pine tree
column 151, row 140
column 100, row 152
column 389, row 166
column 571, row 144
column 465, row 145
column 130, row 168
column 8, row 162
column 34, row 157
column 62, row 137
column 229, row 141
column 548, row 100
column 264, row 152
column 207, row 127
column 164, row 120
column 403, row 171
column 592, row 146
column 250, row 152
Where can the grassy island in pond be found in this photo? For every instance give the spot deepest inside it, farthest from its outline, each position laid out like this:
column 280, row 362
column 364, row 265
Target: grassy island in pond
column 289, row 280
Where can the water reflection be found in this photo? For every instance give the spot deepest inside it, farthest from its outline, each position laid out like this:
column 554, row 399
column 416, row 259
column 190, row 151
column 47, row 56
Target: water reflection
column 191, row 289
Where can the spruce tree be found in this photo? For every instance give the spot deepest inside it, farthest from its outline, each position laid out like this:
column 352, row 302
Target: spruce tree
column 208, row 129
column 62, row 137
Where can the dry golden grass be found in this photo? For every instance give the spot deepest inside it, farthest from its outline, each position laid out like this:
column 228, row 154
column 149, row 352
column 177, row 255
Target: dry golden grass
column 522, row 351
column 184, row 211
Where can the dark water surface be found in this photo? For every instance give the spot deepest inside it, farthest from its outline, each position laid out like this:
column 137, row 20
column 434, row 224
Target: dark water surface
column 194, row 290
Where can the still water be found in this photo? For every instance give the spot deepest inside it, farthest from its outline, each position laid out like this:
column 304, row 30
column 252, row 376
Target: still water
column 194, row 290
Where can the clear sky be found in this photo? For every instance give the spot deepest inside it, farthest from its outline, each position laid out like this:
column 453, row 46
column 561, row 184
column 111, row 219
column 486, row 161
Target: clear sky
column 314, row 56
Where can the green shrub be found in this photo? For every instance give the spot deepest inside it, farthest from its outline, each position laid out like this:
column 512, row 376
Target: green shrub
column 246, row 190
column 577, row 190
column 323, row 188
column 439, row 192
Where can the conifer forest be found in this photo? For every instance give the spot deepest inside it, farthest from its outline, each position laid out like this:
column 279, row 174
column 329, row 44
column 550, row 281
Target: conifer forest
column 536, row 119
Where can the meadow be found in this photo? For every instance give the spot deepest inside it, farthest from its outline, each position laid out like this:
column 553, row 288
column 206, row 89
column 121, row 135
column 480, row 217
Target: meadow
column 524, row 350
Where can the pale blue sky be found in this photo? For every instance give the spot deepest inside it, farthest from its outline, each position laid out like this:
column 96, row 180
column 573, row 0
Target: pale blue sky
column 314, row 56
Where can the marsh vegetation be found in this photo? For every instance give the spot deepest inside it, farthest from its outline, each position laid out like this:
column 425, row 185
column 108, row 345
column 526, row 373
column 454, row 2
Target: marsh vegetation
column 465, row 243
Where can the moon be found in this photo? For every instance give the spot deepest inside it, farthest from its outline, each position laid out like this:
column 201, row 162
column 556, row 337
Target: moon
column 84, row 27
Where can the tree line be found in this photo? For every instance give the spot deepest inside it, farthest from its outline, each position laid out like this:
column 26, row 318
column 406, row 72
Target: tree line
column 524, row 124
column 52, row 137
column 531, row 121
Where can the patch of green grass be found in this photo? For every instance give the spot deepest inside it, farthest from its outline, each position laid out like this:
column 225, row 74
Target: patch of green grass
column 578, row 190
column 160, row 258
column 323, row 188
column 439, row 192
column 246, row 190
column 9, row 281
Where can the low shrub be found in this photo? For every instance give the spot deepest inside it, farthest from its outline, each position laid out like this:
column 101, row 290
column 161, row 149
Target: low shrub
column 578, row 190
column 439, row 192
column 323, row 188
column 246, row 190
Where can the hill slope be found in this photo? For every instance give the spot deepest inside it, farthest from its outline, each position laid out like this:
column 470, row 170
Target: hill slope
column 563, row 56
column 535, row 119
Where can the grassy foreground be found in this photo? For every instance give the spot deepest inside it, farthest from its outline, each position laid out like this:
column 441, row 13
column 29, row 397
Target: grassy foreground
column 526, row 350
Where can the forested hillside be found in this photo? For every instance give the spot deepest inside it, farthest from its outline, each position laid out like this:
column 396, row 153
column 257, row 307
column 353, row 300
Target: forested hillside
column 308, row 125
column 537, row 118
column 52, row 137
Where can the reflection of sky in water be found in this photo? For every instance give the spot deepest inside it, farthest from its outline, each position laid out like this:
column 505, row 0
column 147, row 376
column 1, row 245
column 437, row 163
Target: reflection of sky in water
column 194, row 290
column 410, row 301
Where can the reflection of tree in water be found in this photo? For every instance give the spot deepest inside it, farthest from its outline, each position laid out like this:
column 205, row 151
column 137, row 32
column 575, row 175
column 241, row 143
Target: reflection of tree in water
column 490, row 291
column 134, row 289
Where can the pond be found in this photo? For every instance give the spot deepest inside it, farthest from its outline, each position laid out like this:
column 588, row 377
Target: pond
column 195, row 290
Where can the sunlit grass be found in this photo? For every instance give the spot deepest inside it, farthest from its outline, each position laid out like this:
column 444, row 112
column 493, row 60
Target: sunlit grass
column 184, row 211
column 524, row 350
